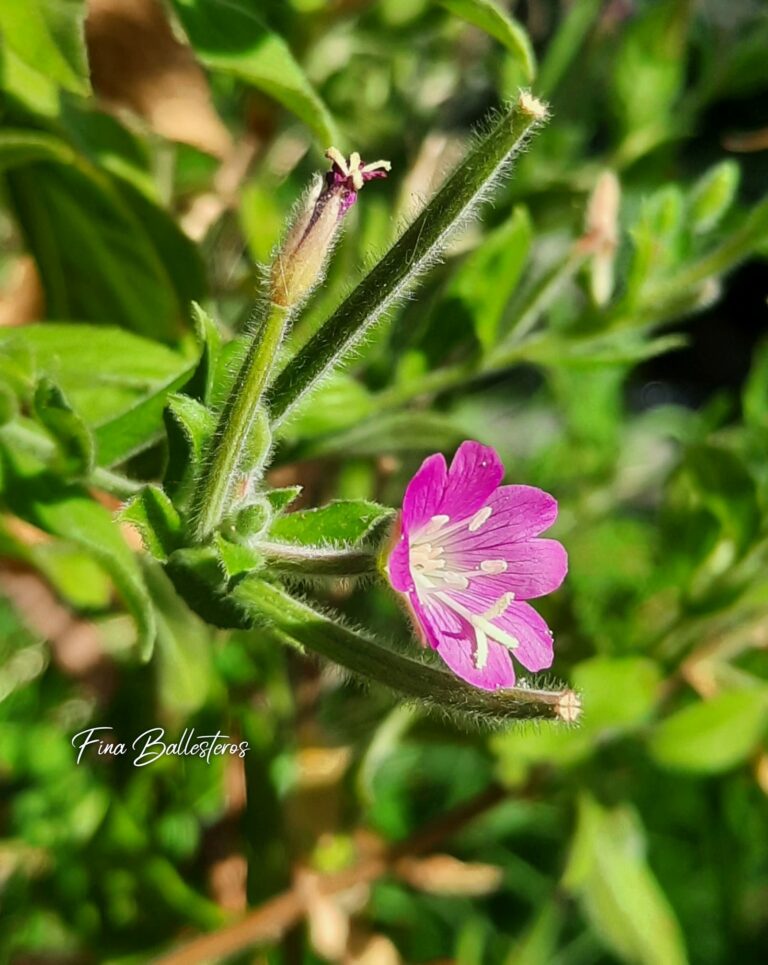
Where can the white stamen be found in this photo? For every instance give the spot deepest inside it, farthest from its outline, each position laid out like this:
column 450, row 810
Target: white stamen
column 479, row 622
column 499, row 607
column 456, row 579
column 481, row 652
column 434, row 524
column 479, row 518
column 494, row 566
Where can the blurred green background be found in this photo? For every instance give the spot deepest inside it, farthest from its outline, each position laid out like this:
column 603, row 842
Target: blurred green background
column 602, row 326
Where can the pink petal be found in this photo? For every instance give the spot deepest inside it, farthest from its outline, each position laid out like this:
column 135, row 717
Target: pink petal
column 398, row 566
column 523, row 511
column 459, row 654
column 534, row 567
column 424, row 493
column 536, row 651
column 435, row 618
column 454, row 639
column 475, row 473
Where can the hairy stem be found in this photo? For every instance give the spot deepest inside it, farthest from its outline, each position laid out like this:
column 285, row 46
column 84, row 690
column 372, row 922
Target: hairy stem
column 416, row 249
column 223, row 463
column 316, row 632
column 317, row 560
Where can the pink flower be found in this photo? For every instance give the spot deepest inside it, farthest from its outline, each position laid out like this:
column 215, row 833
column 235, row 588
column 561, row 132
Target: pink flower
column 467, row 556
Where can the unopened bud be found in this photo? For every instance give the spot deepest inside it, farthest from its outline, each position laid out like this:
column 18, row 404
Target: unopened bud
column 601, row 234
column 303, row 255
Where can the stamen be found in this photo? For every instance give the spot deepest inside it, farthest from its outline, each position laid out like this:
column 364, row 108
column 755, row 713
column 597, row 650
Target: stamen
column 499, row 607
column 434, row 524
column 456, row 579
column 494, row 566
column 334, row 154
column 376, row 166
column 481, row 652
column 479, row 518
column 479, row 622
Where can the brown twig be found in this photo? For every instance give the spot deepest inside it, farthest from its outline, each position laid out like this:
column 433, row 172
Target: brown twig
column 270, row 921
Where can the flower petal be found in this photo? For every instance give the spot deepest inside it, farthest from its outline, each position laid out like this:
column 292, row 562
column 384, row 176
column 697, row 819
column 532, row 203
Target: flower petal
column 398, row 565
column 456, row 642
column 435, row 617
column 475, row 473
column 459, row 654
column 424, row 493
column 536, row 651
column 523, row 511
column 533, row 568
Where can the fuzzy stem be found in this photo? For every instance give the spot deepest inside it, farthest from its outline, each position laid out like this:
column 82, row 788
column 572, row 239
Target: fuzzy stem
column 317, row 560
column 416, row 249
column 224, row 460
column 320, row 634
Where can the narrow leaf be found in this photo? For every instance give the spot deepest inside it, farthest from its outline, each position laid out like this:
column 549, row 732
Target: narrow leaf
column 489, row 17
column 156, row 519
column 228, row 36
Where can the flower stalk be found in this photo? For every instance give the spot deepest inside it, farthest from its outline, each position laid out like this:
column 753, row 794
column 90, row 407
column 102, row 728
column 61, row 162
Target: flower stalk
column 302, row 625
column 223, row 466
column 417, row 249
column 298, row 267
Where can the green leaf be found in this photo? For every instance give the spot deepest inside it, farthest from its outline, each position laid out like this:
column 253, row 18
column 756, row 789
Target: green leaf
column 488, row 277
column 489, row 17
column 201, row 385
column 48, row 35
column 755, row 395
column 344, row 522
column 280, row 499
column 618, row 693
column 650, row 67
column 227, row 35
column 73, row 439
column 183, row 663
column 129, row 379
column 608, row 872
column 189, row 425
column 101, row 256
column 713, row 195
column 19, row 147
column 156, row 519
column 68, row 512
column 714, row 735
column 236, row 558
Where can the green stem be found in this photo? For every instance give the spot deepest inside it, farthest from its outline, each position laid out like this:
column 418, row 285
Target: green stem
column 223, row 463
column 317, row 560
column 314, row 631
column 416, row 250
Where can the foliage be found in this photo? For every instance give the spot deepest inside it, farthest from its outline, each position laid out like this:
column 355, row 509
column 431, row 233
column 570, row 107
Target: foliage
column 196, row 493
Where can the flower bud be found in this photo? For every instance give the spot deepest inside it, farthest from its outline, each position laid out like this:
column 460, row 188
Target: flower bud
column 601, row 235
column 300, row 262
